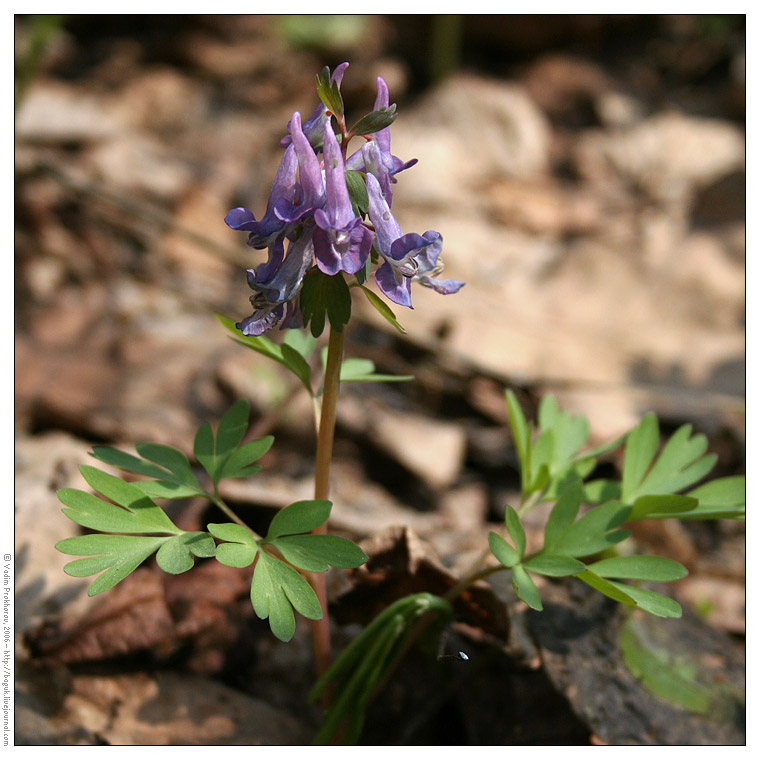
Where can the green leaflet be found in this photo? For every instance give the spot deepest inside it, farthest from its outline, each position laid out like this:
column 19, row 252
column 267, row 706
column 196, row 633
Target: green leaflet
column 632, row 596
column 670, row 678
column 276, row 587
column 525, row 588
column 174, row 478
column 554, row 565
column 681, row 462
column 222, row 456
column 502, row 550
column 299, row 517
column 115, row 557
column 720, row 499
column 640, row 568
column 315, row 553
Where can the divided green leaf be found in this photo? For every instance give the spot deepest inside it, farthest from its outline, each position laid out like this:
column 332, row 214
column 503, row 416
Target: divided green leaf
column 681, row 463
column 114, row 557
column 174, row 478
column 221, row 455
column 134, row 513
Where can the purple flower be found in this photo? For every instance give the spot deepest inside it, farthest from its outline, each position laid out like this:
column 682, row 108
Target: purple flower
column 375, row 156
column 308, row 192
column 341, row 242
column 276, row 284
column 407, row 257
column 264, row 232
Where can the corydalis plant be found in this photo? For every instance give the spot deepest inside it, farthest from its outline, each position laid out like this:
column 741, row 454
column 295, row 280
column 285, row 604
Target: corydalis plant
column 329, row 215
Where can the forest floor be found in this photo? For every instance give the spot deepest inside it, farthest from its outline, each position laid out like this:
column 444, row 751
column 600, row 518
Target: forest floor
column 588, row 177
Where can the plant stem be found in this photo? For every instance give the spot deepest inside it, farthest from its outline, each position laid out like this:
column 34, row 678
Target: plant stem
column 219, row 502
column 325, row 436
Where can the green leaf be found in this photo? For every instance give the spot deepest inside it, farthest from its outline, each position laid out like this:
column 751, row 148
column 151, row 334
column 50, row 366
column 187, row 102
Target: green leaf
column 661, row 507
column 363, row 371
column 269, row 600
column 597, row 491
column 299, row 517
column 260, row 344
column 115, row 557
column 297, row 365
column 608, row 588
column 204, row 449
column 300, row 340
column 515, row 529
column 238, row 465
column 241, row 547
column 375, row 121
column 324, row 296
column 650, row 601
column 554, row 565
column 176, row 555
column 170, row 467
column 521, row 437
column 641, row 568
column 351, row 369
column 563, row 514
column 136, row 513
column 232, row 428
column 502, row 550
column 357, row 192
column 640, row 448
column 525, row 588
column 662, row 673
column 276, row 587
column 680, row 464
column 720, row 499
column 595, row 531
column 315, row 553
column 382, row 308
column 172, row 459
column 541, row 456
column 368, row 661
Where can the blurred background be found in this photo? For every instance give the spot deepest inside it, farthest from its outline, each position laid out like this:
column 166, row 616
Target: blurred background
column 587, row 174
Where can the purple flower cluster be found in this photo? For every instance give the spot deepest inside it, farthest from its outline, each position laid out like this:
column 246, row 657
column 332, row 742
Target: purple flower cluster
column 310, row 208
